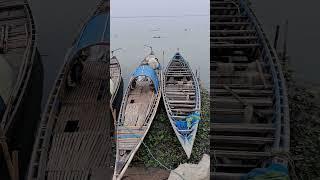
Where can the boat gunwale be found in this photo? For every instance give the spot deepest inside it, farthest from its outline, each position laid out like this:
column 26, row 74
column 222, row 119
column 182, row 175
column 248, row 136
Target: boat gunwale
column 38, row 164
column 277, row 80
column 197, row 102
column 24, row 74
column 151, row 118
column 119, row 80
column 196, row 85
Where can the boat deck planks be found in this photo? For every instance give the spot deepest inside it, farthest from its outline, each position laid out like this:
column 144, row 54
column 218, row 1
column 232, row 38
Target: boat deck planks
column 138, row 109
column 79, row 150
column 181, row 96
column 116, row 95
column 249, row 107
column 17, row 46
column 74, row 138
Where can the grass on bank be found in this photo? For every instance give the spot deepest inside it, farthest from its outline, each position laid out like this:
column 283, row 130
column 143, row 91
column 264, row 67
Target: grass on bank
column 304, row 128
column 166, row 147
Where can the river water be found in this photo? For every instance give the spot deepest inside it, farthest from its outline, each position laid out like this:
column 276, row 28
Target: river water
column 175, row 26
column 303, row 34
column 58, row 21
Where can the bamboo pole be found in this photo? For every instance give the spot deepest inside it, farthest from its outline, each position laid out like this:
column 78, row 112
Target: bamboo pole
column 275, row 44
column 286, row 28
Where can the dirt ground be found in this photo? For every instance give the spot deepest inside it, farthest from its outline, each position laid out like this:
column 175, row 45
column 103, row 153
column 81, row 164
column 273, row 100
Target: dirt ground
column 142, row 173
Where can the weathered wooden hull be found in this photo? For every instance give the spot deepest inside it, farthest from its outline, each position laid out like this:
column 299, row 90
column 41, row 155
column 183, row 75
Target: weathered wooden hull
column 248, row 93
column 20, row 135
column 129, row 134
column 73, row 140
column 23, row 104
column 18, row 47
column 115, row 75
column 181, row 98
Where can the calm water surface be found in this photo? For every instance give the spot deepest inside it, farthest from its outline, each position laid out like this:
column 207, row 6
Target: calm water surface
column 58, row 21
column 131, row 30
column 191, row 39
column 303, row 36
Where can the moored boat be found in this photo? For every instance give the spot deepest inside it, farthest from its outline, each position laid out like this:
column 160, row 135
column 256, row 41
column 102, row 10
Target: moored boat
column 250, row 123
column 138, row 109
column 116, row 84
column 181, row 97
column 21, row 78
column 17, row 54
column 73, row 139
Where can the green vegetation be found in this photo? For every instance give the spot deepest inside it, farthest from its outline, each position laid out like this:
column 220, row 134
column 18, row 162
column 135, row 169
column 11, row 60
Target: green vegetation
column 305, row 128
column 164, row 144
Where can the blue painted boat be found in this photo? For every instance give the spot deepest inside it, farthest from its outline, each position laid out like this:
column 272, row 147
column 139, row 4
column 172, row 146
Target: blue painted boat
column 138, row 109
column 181, row 96
column 73, row 140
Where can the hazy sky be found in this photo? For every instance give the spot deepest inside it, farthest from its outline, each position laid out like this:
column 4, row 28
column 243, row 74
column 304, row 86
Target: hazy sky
column 159, row 7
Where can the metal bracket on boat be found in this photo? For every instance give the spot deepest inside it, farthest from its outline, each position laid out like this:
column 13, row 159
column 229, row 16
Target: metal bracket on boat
column 152, row 53
column 115, row 51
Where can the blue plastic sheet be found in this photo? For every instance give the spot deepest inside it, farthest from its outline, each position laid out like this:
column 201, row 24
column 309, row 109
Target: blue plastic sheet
column 96, row 31
column 274, row 171
column 189, row 122
column 146, row 70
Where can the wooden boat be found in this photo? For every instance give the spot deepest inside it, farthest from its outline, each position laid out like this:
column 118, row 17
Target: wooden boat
column 250, row 115
column 73, row 139
column 21, row 78
column 138, row 108
column 181, row 97
column 116, row 84
column 17, row 54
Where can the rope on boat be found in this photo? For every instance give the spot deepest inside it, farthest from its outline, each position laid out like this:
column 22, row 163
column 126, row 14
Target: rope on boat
column 287, row 157
column 168, row 169
column 151, row 154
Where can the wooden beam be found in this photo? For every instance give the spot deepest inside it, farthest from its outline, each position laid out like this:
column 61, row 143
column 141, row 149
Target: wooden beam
column 6, row 154
column 242, row 127
column 247, row 31
column 242, row 139
column 242, row 154
column 235, row 46
column 261, row 74
column 235, row 38
column 15, row 163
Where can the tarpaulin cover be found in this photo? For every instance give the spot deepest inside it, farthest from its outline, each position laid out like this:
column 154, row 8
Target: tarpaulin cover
column 274, row 171
column 96, row 31
column 189, row 122
column 146, row 70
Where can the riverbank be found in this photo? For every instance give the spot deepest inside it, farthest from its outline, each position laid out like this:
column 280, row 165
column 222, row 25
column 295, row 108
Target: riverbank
column 164, row 145
column 304, row 126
